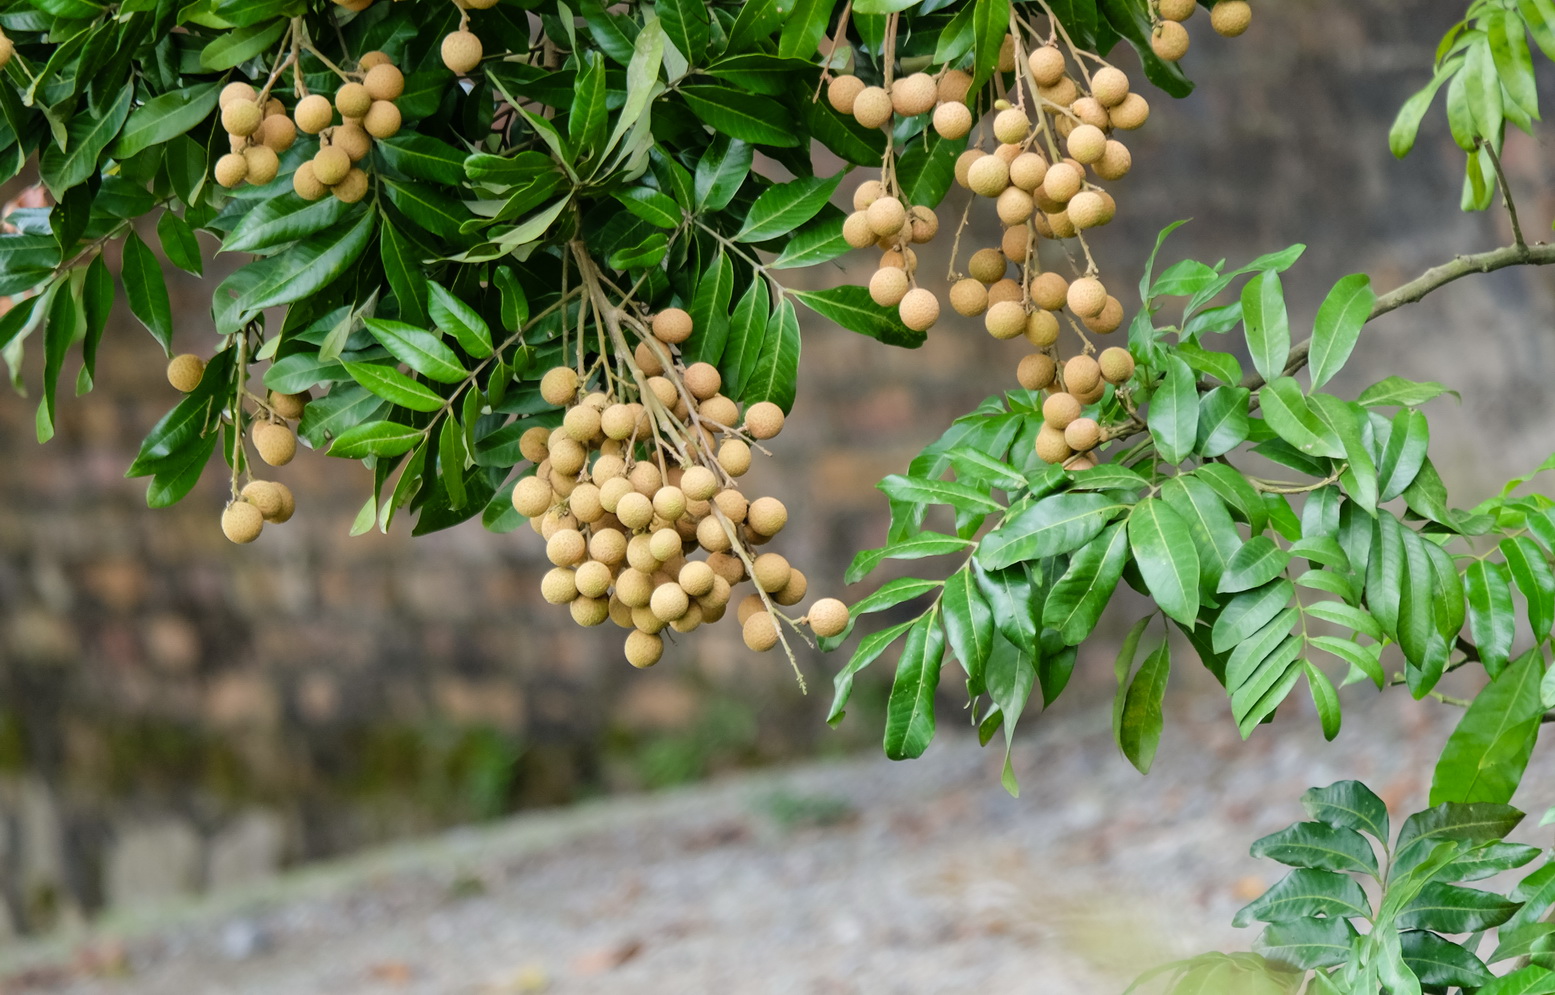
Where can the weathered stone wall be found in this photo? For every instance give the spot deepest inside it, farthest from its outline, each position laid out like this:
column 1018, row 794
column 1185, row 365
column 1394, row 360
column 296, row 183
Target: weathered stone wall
column 177, row 713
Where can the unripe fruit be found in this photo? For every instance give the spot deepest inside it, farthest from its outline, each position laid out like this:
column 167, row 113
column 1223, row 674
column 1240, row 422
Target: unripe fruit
column 262, row 163
column 461, row 51
column 1007, row 54
column 231, row 169
column 771, row 572
column 886, row 216
column 559, row 385
column 1015, row 243
column 856, row 231
column 234, row 93
column 763, row 420
column 1230, row 17
column 1046, row 64
column 914, row 95
column 313, row 114
column 645, row 620
column 242, row 117
column 1087, row 296
column 735, row 457
column 382, row 119
column 672, row 325
column 1109, row 86
column 988, row 176
column 711, row 535
column 383, row 81
column 669, row 502
column 1060, row 409
column 842, row 91
column 923, row 224
column 185, row 370
column 1117, row 364
column 330, row 165
column 888, row 286
column 699, row 483
column 867, row 193
column 1087, row 143
column 952, row 120
column 872, row 107
column 1049, row 291
column 1041, row 329
column 589, row 611
column 766, row 516
column 1014, row 206
column 1086, row 210
column 242, row 522
column 1051, row 446
column 566, row 548
column 275, row 444
column 1169, row 41
column 968, row 297
column 668, row 602
column 760, row 632
column 1005, row 320
column 1082, row 434
column 964, row 165
column 643, row 649
column 919, row 309
column 1011, row 126
column 987, row 265
column 1081, row 374
column 277, row 132
column 1035, row 371
column 1132, row 113
column 1003, row 290
column 1177, row 10
column 307, row 184
column 1109, row 319
column 1028, row 170
column 1062, row 181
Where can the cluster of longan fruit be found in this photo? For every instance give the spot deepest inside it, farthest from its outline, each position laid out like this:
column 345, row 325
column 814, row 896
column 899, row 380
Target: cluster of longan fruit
column 1168, row 37
column 260, row 501
column 367, row 111
column 882, row 220
column 625, row 520
column 258, row 135
column 1067, row 436
column 909, row 96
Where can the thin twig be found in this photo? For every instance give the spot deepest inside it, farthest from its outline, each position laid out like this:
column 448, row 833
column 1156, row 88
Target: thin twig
column 1506, row 193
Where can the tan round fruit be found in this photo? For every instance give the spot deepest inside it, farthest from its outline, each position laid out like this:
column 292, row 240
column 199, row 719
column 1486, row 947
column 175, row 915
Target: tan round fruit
column 794, row 591
column 461, row 51
column 696, row 578
column 635, row 510
column 914, row 95
column 1230, row 17
column 922, row 224
column 1016, row 243
column 1060, row 409
column 888, row 286
column 735, row 457
column 856, row 231
column 711, row 535
column 763, row 420
column 1087, row 296
column 1046, row 65
column 968, row 297
column 533, row 445
column 589, row 611
column 952, row 120
column 306, row 184
column 1086, row 210
column 867, row 193
column 728, row 567
column 1177, row 10
column 1109, row 85
column 1087, row 143
column 1115, row 161
column 963, row 167
column 1059, row 225
column 617, row 421
column 842, row 91
column 919, row 309
column 1049, row 291
column 1042, row 329
column 1082, row 434
column 185, row 371
column 566, row 548
column 1035, row 371
column 1081, row 374
column 748, row 606
column 353, row 100
column 669, row 502
column 581, row 422
column 242, row 117
column 1011, row 126
column 1117, row 364
column 231, row 169
column 277, row 132
column 699, row 483
column 771, row 572
column 672, row 325
column 313, row 114
column 645, row 620
column 275, row 444
column 262, row 163
column 886, row 216
column 1014, row 206
column 1050, row 445
column 1062, row 181
column 1169, row 41
column 289, row 406
column 382, row 119
column 702, row 380
column 1003, row 290
column 1005, row 320
column 643, row 649
column 613, row 491
column 872, row 107
column 383, row 81
column 584, row 503
column 1132, row 113
column 988, row 176
column 330, row 165
column 733, row 504
column 242, row 522
column 987, row 265
column 720, row 411
column 351, row 139
column 954, row 85
column 1110, row 318
column 760, row 632
column 634, row 587
column 668, row 602
column 1028, row 170
column 1063, row 93
column 559, row 385
column 828, row 617
column 236, row 92
column 267, row 496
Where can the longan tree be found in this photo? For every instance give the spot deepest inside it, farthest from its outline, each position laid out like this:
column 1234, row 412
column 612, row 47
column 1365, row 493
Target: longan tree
column 522, row 261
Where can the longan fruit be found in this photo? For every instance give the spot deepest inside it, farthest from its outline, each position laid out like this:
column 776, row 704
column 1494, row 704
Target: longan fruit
column 646, row 621
column 728, row 568
column 643, row 649
column 185, row 371
column 1169, row 41
column 1007, row 54
column 617, row 421
column 1011, row 126
column 242, row 117
column 231, row 169
column 733, row 504
column 1014, row 206
column 828, row 617
column 1090, row 111
column 384, row 82
column 923, row 224
column 771, row 572
column 635, row 510
column 719, row 410
column 1063, row 93
column 886, row 216
column 696, row 578
column 964, row 163
column 241, row 522
column 919, row 309
column 1132, row 113
column 1035, row 371
column 1049, row 291
column 795, row 590
column 1117, row 364
column 266, row 496
column 1081, row 374
column 584, row 504
column 1062, row 181
column 646, row 479
column 888, row 286
column 1082, row 461
column 699, row 483
column 1046, row 65
column 313, row 114
column 1115, row 161
column 952, row 120
column 988, row 176
column 236, row 92
column 669, row 502
column 382, row 119
column 702, row 380
column 1108, row 320
column 1109, row 85
column 760, row 632
column 914, row 95
column 554, row 521
column 277, row 132
column 748, row 606
column 351, row 139
column 369, row 60
column 567, row 455
column 1086, row 210
column 352, row 100
column 1015, row 243
column 533, row 497
column 1041, row 329
column 672, row 325
column 559, row 385
column 867, row 193
column 1060, row 409
column 690, row 621
column 461, row 51
column 872, row 107
column 1087, row 143
column 1003, row 290
column 905, row 260
column 330, row 165
column 1051, row 446
column 647, row 359
column 711, row 535
column 1059, row 224
column 766, row 516
column 263, row 164
column 1082, row 434
column 607, row 468
column 954, row 85
column 968, row 297
column 763, row 420
column 668, row 602
column 842, row 92
column 306, row 184
column 1177, row 10
column 566, row 548
column 352, row 188
column 589, row 611
column 987, row 265
column 856, row 231
column 1005, row 320
column 581, row 422
column 735, row 457
column 634, row 587
column 1028, row 170
column 1086, row 296
column 1230, row 18
column 275, row 444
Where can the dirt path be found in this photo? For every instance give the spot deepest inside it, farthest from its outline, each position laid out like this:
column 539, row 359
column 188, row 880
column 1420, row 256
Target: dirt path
column 854, row 877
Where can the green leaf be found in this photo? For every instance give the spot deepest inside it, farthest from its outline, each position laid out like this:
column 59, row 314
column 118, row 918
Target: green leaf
column 1348, row 616
column 1222, row 421
column 926, row 491
column 1307, row 944
column 236, row 47
column 775, row 376
column 1167, row 559
column 1056, row 524
column 891, row 594
column 869, row 650
column 1348, row 805
column 179, row 243
column 1077, row 600
column 785, row 206
column 1479, row 822
column 1531, row 573
column 586, row 119
column 418, row 349
column 817, row 242
column 147, row 291
column 1268, row 326
column 405, row 275
column 650, row 205
column 453, row 315
column 851, row 307
column 1209, row 523
column 1325, row 698
column 1286, row 411
column 710, row 314
column 1530, row 980
column 1255, row 564
column 919, row 546
column 990, row 23
column 745, row 116
column 394, row 386
column 1013, row 598
column 309, row 265
column 1491, row 619
column 1449, row 908
column 1392, row 391
column 1441, row 963
column 87, row 135
column 1306, row 892
column 1321, row 846
column 375, row 438
column 909, row 722
column 968, row 622
column 1010, row 676
column 1140, row 729
column 928, row 168
column 280, row 220
column 1404, row 453
column 1366, row 661
column 1346, row 308
column 1174, row 412
column 747, row 337
column 164, row 117
column 1250, row 611
column 685, row 24
column 423, row 157
column 1401, row 136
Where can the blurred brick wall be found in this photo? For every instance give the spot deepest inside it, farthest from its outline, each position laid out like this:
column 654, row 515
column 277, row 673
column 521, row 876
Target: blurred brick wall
column 178, row 713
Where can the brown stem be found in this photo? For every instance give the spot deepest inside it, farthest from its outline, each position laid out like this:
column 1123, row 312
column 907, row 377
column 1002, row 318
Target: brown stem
column 1506, row 193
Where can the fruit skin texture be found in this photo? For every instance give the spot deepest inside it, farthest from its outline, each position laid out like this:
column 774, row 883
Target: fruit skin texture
column 1169, row 41
column 242, row 117
column 1115, row 161
column 1011, row 125
column 1051, row 446
column 461, row 51
column 643, row 649
column 384, row 81
column 1087, row 143
column 352, row 187
column 313, row 113
column 330, row 165
column 1041, row 329
column 919, row 309
column 307, row 184
column 828, row 617
column 289, row 406
column 1087, row 297
column 231, row 169
column 1109, row 319
column 914, row 95
column 262, row 164
column 1132, row 113
column 1230, row 17
column 888, row 286
column 185, row 370
column 1109, row 85
column 1005, row 320
column 1049, row 291
column 382, row 119
column 872, row 107
column 987, row 265
column 1178, row 10
column 1060, row 409
column 1036, row 371
column 952, row 120
column 278, row 131
column 764, row 420
column 767, row 516
column 672, row 325
column 968, row 297
column 352, row 100
column 988, row 176
column 1117, row 364
column 1047, row 65
column 559, row 385
column 242, row 522
column 1082, row 434
column 842, row 91
column 1086, row 209
column 760, row 632
column 275, row 444
column 1081, row 375
column 886, row 216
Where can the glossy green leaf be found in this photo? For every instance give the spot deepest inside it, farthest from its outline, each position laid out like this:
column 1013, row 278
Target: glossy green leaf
column 851, row 307
column 1491, row 619
column 1167, row 559
column 1478, row 822
column 746, row 338
column 394, row 386
column 1054, row 525
column 1348, row 805
column 1392, row 391
column 1076, row 601
column 1250, row 611
column 1222, row 421
column 1531, row 573
column 868, row 651
column 1404, row 453
column 1306, row 892
column 969, row 624
column 87, row 135
column 1268, row 326
column 309, row 265
column 951, row 492
column 146, row 291
column 1346, row 308
column 1448, row 908
column 909, row 723
column 1439, row 962
column 278, row 221
column 919, row 546
column 738, row 114
column 1325, row 698
column 1321, row 846
column 453, row 315
column 775, row 375
column 418, row 349
column 1307, row 943
column 1140, row 729
column 785, row 206
column 720, row 172
column 709, row 311
column 1174, row 412
column 375, row 438
column 1256, row 563
column 1286, row 411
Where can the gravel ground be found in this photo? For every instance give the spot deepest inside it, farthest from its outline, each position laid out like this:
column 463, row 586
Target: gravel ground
column 848, row 877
